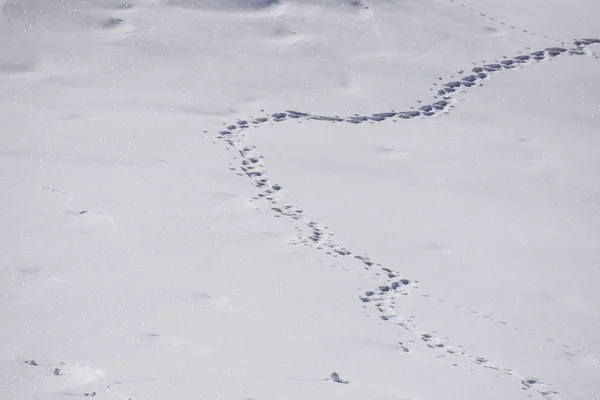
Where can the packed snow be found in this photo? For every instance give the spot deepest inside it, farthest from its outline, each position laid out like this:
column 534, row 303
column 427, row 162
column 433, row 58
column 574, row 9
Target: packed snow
column 300, row 199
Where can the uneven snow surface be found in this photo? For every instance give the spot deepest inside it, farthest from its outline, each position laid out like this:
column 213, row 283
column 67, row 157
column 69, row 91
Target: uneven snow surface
column 300, row 199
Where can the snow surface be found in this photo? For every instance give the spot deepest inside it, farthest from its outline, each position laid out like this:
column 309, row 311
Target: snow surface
column 170, row 230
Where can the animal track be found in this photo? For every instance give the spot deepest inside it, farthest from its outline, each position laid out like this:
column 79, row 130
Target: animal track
column 504, row 323
column 390, row 283
column 505, row 24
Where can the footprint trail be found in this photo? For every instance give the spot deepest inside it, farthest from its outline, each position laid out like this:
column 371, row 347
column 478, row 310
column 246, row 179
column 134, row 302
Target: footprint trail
column 390, row 284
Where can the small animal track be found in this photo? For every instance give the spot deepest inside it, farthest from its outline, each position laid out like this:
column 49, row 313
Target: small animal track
column 505, row 24
column 565, row 347
column 391, row 284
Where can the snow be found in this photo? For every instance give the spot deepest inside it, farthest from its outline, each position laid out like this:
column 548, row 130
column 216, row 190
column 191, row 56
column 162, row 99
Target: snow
column 145, row 255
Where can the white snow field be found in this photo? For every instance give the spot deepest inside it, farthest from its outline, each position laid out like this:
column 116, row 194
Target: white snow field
column 234, row 199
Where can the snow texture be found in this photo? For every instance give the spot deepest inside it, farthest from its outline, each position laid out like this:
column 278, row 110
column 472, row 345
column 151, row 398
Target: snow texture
column 229, row 199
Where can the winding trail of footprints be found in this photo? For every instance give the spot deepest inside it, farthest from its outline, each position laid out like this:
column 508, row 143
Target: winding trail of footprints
column 391, row 284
